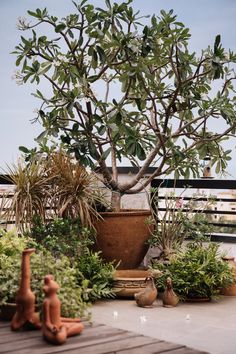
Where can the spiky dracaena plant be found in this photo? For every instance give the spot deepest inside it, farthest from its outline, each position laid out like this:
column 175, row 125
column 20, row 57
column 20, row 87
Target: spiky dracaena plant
column 74, row 190
column 31, row 193
column 52, row 186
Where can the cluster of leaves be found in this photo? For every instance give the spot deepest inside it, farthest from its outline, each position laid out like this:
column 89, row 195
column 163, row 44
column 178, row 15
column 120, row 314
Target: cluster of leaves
column 197, row 271
column 96, row 275
column 68, row 237
column 163, row 97
column 42, row 263
column 175, row 220
column 54, row 185
column 61, row 236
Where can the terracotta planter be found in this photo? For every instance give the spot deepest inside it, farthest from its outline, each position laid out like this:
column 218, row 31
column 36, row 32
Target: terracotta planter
column 230, row 291
column 198, row 299
column 129, row 282
column 7, row 311
column 122, row 236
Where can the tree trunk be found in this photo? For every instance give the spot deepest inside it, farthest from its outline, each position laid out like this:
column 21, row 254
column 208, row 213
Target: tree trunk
column 115, row 201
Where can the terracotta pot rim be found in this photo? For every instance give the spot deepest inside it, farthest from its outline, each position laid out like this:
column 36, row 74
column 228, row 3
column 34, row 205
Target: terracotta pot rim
column 132, row 274
column 126, row 212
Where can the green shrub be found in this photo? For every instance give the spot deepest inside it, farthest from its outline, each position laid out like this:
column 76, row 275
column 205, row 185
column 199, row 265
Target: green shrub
column 66, row 236
column 96, row 275
column 42, row 263
column 197, row 271
column 61, row 236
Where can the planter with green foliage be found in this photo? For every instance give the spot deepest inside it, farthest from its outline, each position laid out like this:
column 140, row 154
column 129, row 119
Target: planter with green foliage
column 197, row 271
column 156, row 100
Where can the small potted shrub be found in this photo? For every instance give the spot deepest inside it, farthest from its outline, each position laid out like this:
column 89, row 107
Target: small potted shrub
column 198, row 272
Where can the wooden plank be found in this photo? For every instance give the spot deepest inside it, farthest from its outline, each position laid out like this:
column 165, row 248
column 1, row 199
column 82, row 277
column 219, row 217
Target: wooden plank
column 91, row 336
column 118, row 345
column 186, row 350
column 96, row 339
column 158, row 347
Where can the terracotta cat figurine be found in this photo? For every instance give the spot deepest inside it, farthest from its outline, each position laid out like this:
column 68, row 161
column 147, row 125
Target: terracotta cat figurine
column 56, row 329
column 25, row 315
column 170, row 299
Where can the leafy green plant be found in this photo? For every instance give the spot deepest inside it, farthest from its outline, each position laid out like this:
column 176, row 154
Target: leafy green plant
column 157, row 104
column 62, row 236
column 66, row 236
column 96, row 274
column 175, row 220
column 42, row 263
column 197, row 271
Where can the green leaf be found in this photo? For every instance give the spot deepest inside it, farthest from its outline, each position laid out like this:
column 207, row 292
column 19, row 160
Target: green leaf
column 19, row 60
column 60, row 27
column 140, row 152
column 24, row 149
column 101, row 53
column 34, row 14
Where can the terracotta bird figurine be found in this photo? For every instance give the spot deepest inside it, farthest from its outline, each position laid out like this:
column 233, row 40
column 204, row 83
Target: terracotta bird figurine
column 56, row 329
column 146, row 297
column 170, row 299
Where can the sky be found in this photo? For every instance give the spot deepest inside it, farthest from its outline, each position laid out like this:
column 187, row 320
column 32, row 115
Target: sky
column 205, row 18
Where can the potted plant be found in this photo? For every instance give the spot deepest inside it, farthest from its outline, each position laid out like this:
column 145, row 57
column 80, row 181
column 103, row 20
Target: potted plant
column 176, row 220
column 123, row 89
column 198, row 272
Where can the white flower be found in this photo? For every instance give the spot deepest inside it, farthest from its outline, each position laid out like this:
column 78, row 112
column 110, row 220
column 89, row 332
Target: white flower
column 87, row 99
column 160, row 41
column 181, row 99
column 226, row 55
column 204, row 97
column 22, row 23
column 62, row 58
column 18, row 77
column 56, row 62
column 77, row 85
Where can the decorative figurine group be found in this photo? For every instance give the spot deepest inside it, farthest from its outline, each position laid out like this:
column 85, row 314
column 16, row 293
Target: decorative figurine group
column 146, row 297
column 55, row 328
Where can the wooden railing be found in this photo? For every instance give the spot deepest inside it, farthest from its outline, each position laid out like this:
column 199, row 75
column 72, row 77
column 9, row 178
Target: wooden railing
column 214, row 186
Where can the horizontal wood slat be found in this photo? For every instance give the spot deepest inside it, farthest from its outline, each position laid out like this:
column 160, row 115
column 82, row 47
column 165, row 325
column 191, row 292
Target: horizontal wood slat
column 95, row 339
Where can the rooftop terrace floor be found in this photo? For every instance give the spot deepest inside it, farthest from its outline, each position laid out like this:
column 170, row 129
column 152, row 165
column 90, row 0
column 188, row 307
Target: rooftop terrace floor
column 96, row 339
column 209, row 326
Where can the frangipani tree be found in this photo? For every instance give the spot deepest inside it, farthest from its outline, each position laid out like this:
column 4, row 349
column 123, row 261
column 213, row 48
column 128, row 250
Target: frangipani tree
column 123, row 89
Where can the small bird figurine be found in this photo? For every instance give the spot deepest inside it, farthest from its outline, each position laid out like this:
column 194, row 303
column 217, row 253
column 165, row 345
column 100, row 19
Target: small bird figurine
column 147, row 296
column 170, row 299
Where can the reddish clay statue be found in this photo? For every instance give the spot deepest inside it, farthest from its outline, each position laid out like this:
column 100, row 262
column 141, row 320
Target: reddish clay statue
column 25, row 315
column 146, row 297
column 170, row 299
column 56, row 329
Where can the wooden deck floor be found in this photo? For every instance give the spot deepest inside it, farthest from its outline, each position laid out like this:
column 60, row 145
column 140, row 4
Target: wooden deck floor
column 95, row 339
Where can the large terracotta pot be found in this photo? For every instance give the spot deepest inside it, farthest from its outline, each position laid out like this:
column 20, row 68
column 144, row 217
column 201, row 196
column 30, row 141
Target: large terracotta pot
column 122, row 236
